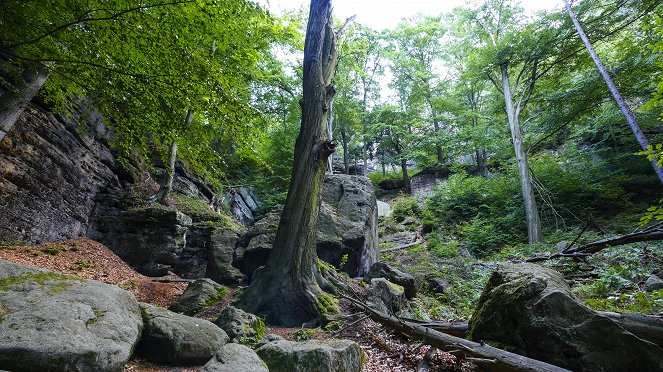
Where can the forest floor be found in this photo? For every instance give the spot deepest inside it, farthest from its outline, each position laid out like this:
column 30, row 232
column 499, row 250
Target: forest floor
column 88, row 259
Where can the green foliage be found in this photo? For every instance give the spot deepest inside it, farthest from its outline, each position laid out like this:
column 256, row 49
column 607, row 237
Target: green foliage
column 405, row 207
column 441, row 248
column 259, row 331
column 54, row 249
column 304, row 334
column 637, row 302
column 377, row 177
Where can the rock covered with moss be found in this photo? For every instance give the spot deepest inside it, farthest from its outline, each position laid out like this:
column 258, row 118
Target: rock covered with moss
column 234, row 358
column 319, row 356
column 385, row 296
column 531, row 310
column 198, row 295
column 240, row 325
column 178, row 339
column 384, row 270
column 53, row 322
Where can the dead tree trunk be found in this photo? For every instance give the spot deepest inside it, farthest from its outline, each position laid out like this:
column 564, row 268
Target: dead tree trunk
column 626, row 111
column 167, row 185
column 13, row 103
column 286, row 291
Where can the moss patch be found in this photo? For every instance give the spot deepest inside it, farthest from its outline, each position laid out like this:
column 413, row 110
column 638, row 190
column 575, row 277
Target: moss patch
column 327, row 304
column 39, row 278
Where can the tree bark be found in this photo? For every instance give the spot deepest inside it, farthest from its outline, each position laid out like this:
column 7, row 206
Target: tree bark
column 13, row 103
column 531, row 210
column 286, row 290
column 626, row 111
column 346, row 156
column 406, row 177
column 167, row 185
column 330, row 133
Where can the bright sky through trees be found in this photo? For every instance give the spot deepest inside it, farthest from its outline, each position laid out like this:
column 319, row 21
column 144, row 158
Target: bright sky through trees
column 381, row 14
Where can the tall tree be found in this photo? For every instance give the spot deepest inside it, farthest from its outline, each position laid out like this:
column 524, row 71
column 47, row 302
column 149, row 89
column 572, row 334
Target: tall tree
column 623, row 106
column 287, row 289
column 416, row 48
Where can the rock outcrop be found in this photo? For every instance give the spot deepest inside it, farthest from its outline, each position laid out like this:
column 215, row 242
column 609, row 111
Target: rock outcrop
column 52, row 170
column 198, row 295
column 235, row 358
column 531, row 310
column 52, row 322
column 347, row 228
column 319, row 356
column 384, row 270
column 151, row 239
column 178, row 339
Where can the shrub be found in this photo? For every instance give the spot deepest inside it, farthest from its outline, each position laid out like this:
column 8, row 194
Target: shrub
column 405, row 207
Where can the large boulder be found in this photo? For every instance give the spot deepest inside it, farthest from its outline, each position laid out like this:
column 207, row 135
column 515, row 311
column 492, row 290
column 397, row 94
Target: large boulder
column 312, row 356
column 239, row 324
column 178, row 339
column 220, row 256
column 151, row 239
column 53, row 322
column 198, row 295
column 384, row 270
column 530, row 309
column 347, row 234
column 235, row 358
column 385, row 296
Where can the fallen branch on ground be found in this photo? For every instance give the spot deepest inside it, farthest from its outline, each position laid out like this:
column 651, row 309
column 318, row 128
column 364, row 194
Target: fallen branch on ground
column 486, row 356
column 653, row 233
column 401, row 247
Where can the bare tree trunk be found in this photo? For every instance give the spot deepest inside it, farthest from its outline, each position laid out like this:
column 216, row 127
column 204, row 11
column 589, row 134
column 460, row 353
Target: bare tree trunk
column 167, row 185
column 531, row 211
column 406, row 177
column 346, row 156
column 287, row 290
column 13, row 103
column 330, row 134
column 626, row 111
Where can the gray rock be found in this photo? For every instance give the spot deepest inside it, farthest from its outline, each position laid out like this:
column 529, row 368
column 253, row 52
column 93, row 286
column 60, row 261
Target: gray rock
column 198, row 295
column 220, row 257
column 653, row 283
column 235, row 358
column 437, row 285
column 51, row 322
column 52, row 171
column 178, row 339
column 237, row 323
column 270, row 337
column 530, row 309
column 312, row 356
column 384, row 209
column 385, row 296
column 384, row 270
column 151, row 239
column 347, row 229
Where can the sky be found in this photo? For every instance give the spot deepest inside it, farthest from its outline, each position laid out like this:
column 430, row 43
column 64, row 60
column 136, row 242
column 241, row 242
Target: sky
column 381, row 14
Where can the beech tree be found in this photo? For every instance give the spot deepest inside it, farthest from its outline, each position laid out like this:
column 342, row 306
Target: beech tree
column 623, row 106
column 287, row 290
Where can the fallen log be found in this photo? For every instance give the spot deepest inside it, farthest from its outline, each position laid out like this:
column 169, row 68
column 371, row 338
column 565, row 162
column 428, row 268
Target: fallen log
column 585, row 250
column 488, row 357
column 646, row 327
column 458, row 329
column 401, row 247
